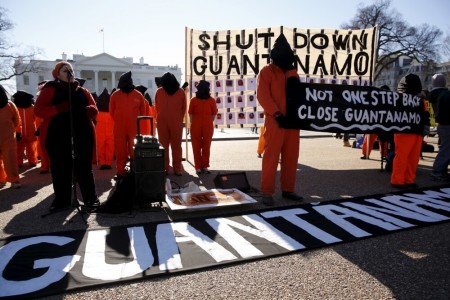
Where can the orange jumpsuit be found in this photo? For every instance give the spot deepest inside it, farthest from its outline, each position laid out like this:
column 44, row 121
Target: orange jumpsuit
column 105, row 138
column 202, row 113
column 271, row 94
column 170, row 110
column 260, row 149
column 124, row 109
column 9, row 124
column 368, row 146
column 28, row 141
column 42, row 124
column 407, row 155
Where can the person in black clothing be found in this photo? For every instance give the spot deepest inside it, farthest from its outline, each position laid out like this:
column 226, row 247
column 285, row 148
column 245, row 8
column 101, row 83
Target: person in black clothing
column 70, row 110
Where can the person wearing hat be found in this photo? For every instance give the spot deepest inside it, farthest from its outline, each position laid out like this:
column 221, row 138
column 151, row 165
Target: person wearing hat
column 202, row 112
column 69, row 110
column 25, row 105
column 440, row 100
column 10, row 131
column 104, row 132
column 408, row 145
column 171, row 105
column 278, row 141
column 125, row 105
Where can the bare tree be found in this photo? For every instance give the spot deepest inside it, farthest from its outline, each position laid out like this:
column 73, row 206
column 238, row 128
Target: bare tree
column 9, row 55
column 396, row 37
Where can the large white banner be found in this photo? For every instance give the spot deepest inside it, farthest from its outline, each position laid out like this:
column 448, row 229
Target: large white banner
column 231, row 59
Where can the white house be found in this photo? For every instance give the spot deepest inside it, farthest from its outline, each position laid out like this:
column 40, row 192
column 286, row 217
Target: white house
column 100, row 71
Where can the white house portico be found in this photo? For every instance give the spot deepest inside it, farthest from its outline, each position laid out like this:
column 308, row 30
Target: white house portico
column 100, row 71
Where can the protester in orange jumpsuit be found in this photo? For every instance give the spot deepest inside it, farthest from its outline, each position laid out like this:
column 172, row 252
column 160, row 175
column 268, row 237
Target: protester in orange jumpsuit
column 125, row 105
column 171, row 104
column 202, row 112
column 151, row 113
column 104, row 132
column 25, row 104
column 260, row 149
column 9, row 132
column 367, row 146
column 144, row 126
column 278, row 141
column 408, row 145
column 41, row 133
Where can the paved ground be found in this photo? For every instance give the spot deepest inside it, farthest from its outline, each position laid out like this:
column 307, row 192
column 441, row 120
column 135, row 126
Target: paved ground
column 412, row 264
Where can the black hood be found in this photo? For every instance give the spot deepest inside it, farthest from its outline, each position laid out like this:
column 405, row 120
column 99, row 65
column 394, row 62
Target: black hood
column 23, row 99
column 103, row 101
column 148, row 98
column 282, row 54
column 203, row 91
column 3, row 97
column 126, row 83
column 169, row 83
column 410, row 84
column 141, row 89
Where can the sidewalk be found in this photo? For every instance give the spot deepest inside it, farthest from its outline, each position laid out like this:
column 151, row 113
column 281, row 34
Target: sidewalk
column 221, row 134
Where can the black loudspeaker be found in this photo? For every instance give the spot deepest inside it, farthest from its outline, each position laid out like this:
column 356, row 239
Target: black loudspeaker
column 232, row 180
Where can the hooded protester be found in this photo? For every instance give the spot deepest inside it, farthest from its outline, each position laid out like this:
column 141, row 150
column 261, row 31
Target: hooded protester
column 41, row 134
column 10, row 125
column 144, row 126
column 202, row 112
column 408, row 145
column 104, row 132
column 151, row 113
column 25, row 105
column 171, row 104
column 70, row 142
column 278, row 141
column 125, row 105
column 440, row 101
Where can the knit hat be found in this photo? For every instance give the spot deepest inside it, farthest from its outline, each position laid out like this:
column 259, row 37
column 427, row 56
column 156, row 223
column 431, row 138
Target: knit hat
column 438, row 80
column 58, row 67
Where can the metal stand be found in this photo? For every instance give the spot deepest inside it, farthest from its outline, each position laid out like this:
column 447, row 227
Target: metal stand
column 75, row 203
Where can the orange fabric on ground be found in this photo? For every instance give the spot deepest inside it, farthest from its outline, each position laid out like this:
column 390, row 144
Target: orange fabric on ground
column 271, row 94
column 29, row 140
column 407, row 155
column 105, row 138
column 171, row 110
column 9, row 124
column 260, row 149
column 124, row 109
column 202, row 113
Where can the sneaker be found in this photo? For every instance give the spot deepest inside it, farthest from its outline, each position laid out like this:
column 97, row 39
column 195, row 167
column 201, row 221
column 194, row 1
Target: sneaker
column 364, row 157
column 2, row 184
column 259, row 155
column 347, row 144
column 292, row 196
column 206, row 171
column 198, row 171
column 267, row 200
column 16, row 185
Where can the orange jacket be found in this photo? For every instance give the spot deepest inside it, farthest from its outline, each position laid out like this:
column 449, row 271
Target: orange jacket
column 28, row 121
column 9, row 123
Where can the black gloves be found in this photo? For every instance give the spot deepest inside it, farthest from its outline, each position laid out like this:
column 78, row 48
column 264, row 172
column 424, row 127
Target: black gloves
column 281, row 119
column 18, row 136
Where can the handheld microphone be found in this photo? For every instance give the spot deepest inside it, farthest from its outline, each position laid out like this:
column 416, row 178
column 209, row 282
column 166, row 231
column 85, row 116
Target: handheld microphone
column 69, row 74
column 185, row 85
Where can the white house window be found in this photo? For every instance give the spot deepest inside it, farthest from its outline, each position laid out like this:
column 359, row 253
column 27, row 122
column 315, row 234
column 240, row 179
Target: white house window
column 26, row 80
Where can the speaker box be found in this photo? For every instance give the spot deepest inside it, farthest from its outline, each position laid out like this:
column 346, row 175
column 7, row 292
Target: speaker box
column 232, row 180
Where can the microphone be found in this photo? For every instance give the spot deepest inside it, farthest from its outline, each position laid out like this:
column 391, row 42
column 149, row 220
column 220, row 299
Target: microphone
column 69, row 74
column 185, row 85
